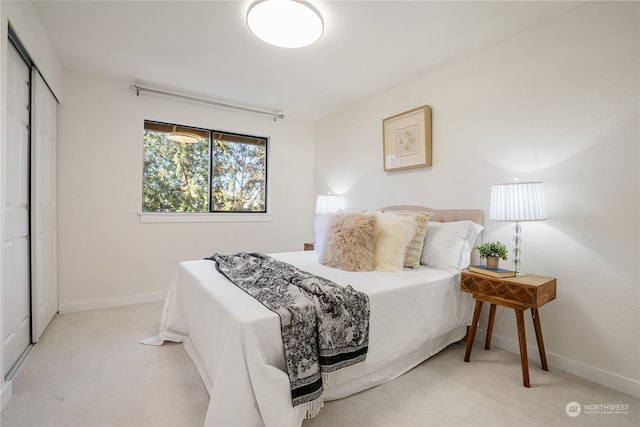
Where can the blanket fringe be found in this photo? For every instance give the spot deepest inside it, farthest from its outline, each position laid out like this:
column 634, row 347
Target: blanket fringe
column 330, row 379
column 345, row 374
column 314, row 407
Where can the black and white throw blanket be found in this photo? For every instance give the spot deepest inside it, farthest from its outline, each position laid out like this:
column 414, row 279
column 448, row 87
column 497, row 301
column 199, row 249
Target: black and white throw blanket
column 325, row 327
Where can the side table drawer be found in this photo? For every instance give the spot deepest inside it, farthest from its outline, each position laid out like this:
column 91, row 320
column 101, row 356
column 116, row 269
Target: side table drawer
column 534, row 291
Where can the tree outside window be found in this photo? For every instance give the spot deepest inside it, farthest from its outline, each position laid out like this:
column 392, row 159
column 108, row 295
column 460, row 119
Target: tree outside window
column 198, row 170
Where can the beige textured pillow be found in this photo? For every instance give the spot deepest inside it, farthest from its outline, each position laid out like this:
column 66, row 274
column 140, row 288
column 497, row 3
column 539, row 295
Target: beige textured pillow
column 393, row 234
column 349, row 242
column 414, row 248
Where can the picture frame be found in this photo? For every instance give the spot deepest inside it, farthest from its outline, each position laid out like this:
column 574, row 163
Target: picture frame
column 406, row 140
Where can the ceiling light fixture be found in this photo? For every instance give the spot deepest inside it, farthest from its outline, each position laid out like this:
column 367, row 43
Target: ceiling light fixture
column 183, row 137
column 285, row 23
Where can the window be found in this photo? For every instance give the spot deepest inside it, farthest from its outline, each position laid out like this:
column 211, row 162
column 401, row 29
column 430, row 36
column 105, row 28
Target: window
column 199, row 170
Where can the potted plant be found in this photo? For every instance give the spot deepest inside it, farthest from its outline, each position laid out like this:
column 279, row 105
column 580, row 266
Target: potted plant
column 492, row 251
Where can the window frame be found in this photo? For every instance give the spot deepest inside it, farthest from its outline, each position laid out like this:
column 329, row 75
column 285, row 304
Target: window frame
column 210, row 215
column 266, row 170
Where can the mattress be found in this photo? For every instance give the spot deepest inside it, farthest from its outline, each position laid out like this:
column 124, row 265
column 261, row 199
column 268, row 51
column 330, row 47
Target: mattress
column 236, row 345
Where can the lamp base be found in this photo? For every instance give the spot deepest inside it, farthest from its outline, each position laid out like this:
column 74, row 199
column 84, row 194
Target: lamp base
column 517, row 240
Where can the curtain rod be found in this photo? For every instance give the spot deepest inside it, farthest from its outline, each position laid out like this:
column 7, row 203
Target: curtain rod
column 137, row 89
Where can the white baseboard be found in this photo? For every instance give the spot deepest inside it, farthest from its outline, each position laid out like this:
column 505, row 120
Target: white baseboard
column 607, row 379
column 111, row 302
column 7, row 392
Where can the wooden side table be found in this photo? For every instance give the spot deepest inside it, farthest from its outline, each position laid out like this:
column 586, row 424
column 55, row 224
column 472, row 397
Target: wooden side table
column 309, row 246
column 519, row 293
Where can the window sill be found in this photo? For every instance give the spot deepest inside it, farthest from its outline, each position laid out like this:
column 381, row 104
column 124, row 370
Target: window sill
column 204, row 217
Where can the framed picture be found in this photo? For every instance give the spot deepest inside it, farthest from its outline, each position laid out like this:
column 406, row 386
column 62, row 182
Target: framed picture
column 406, row 140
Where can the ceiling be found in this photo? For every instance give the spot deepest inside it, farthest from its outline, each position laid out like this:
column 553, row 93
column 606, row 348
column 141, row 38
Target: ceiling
column 205, row 47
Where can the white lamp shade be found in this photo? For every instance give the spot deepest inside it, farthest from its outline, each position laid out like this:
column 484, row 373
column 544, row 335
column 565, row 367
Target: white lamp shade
column 327, row 204
column 285, row 23
column 517, row 201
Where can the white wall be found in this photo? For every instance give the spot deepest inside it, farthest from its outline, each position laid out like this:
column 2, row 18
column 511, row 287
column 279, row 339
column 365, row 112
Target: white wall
column 558, row 103
column 27, row 26
column 107, row 256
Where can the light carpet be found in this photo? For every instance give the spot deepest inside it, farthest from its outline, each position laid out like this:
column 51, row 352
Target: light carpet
column 91, row 370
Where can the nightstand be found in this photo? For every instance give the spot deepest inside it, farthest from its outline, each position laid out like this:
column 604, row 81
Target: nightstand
column 519, row 293
column 308, row 246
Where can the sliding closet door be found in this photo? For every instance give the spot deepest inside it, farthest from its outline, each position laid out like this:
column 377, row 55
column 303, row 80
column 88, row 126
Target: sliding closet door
column 43, row 206
column 16, row 327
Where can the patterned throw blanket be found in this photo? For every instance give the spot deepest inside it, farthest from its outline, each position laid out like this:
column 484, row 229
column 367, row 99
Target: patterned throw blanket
column 325, row 327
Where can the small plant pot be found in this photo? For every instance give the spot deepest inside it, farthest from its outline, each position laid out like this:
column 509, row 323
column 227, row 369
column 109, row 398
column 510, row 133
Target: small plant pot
column 493, row 262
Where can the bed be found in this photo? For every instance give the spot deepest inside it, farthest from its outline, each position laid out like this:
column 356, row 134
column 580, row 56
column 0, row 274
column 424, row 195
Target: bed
column 236, row 344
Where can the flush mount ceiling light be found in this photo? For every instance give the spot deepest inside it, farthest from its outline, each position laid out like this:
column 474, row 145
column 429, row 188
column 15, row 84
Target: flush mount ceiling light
column 183, row 136
column 285, row 23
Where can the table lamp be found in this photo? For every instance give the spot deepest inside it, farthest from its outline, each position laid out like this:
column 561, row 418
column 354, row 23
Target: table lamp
column 329, row 203
column 517, row 202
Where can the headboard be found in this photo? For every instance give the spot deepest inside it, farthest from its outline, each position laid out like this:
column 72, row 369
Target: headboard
column 443, row 215
column 448, row 215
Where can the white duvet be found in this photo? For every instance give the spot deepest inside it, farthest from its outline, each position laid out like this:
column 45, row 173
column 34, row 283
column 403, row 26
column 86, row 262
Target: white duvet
column 235, row 341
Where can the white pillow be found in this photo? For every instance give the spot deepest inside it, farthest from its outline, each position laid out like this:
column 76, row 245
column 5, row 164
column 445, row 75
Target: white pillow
column 393, row 233
column 448, row 245
column 320, row 227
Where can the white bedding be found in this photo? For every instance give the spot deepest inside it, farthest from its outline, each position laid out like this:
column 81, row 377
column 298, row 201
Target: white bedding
column 236, row 344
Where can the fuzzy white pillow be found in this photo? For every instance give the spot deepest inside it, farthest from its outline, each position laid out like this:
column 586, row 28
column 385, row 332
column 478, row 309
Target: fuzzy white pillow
column 349, row 242
column 393, row 234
